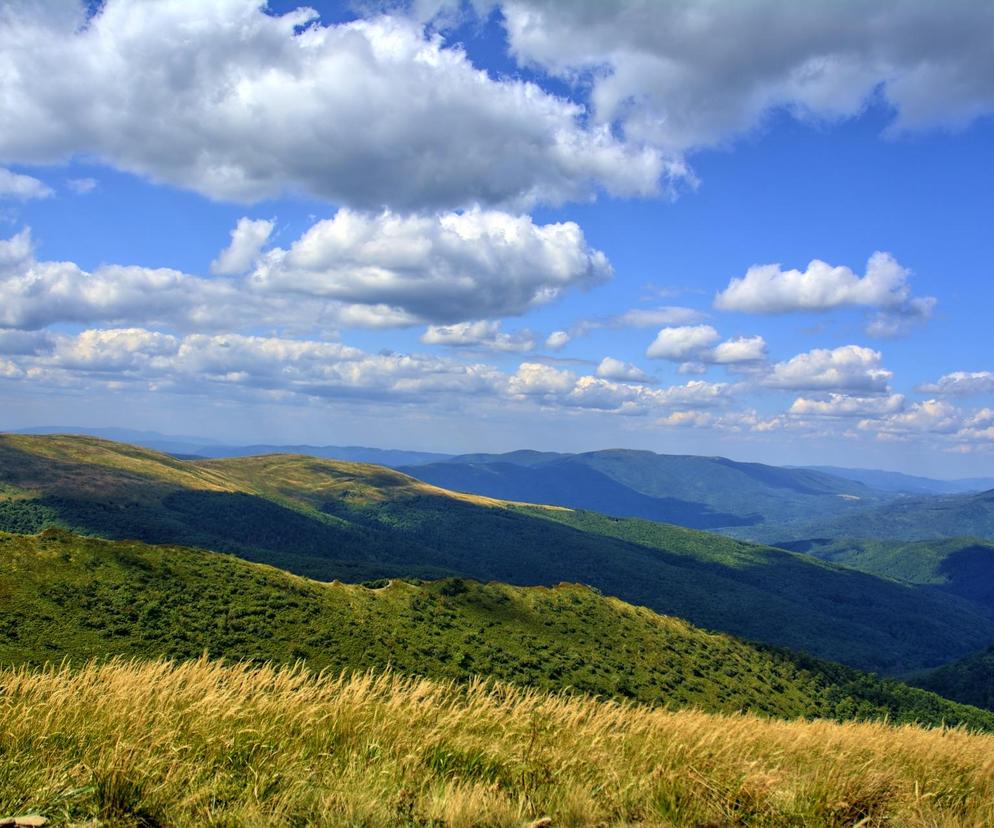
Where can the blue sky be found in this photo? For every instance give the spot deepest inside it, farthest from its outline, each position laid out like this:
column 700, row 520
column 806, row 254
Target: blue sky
column 519, row 224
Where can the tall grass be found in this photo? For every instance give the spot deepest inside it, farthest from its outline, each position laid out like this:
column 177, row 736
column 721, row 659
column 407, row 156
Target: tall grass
column 198, row 743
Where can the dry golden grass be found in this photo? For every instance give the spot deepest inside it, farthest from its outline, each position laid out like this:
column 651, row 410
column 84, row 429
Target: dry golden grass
column 202, row 744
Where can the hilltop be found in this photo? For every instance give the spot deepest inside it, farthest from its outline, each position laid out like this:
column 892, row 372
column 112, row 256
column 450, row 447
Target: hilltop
column 68, row 597
column 327, row 520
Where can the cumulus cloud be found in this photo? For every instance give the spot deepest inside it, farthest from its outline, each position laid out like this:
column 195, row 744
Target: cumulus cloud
column 442, row 269
column 484, row 335
column 682, row 343
column 232, row 101
column 15, row 185
column 616, row 369
column 849, row 368
column 35, row 294
column 197, row 362
column 771, row 289
column 247, row 240
column 692, row 346
column 738, row 349
column 354, row 270
column 557, row 340
column 930, row 416
column 962, row 383
column 845, row 405
column 535, row 379
column 692, row 74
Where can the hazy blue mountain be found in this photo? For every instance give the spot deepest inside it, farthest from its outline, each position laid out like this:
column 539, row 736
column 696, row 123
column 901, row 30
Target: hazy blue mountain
column 700, row 492
column 906, row 518
column 890, row 481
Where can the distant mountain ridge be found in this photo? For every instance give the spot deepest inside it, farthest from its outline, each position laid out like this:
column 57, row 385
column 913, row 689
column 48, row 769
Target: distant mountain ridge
column 712, row 493
column 908, row 483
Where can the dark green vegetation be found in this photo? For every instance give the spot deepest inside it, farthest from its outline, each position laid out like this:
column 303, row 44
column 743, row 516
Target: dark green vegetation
column 969, row 680
column 699, row 492
column 908, row 518
column 67, row 596
column 330, row 520
column 960, row 566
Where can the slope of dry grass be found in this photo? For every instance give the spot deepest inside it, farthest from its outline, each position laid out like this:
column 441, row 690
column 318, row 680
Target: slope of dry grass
column 202, row 744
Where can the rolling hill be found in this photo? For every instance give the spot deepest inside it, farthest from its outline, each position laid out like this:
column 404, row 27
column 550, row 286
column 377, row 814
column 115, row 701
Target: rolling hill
column 907, row 519
column 968, row 680
column 698, row 492
column 328, row 520
column 960, row 566
column 70, row 597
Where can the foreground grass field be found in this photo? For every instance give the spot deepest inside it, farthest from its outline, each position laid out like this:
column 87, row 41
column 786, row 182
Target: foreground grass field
column 154, row 743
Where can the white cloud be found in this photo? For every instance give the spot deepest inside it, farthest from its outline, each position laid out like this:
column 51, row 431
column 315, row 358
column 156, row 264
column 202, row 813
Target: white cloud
column 82, row 186
column 35, row 294
column 247, row 240
column 650, row 317
column 485, row 335
column 534, row 379
column 15, row 185
column 770, row 289
column 962, row 383
column 354, row 270
column 697, row 73
column 739, row 349
column 692, row 346
column 615, row 369
column 441, row 269
column 225, row 98
column 557, row 340
column 845, row 405
column 930, row 416
column 682, row 343
column 849, row 368
column 638, row 318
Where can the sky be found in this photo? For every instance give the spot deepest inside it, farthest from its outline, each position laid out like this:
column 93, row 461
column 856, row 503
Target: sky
column 763, row 230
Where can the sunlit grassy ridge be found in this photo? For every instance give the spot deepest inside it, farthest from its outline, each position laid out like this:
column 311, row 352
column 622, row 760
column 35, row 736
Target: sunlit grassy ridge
column 202, row 744
column 355, row 522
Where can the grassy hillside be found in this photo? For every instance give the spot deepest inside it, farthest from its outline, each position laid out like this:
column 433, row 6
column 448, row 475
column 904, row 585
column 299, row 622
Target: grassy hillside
column 698, row 492
column 327, row 520
column 969, row 680
column 961, row 566
column 201, row 744
column 71, row 597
